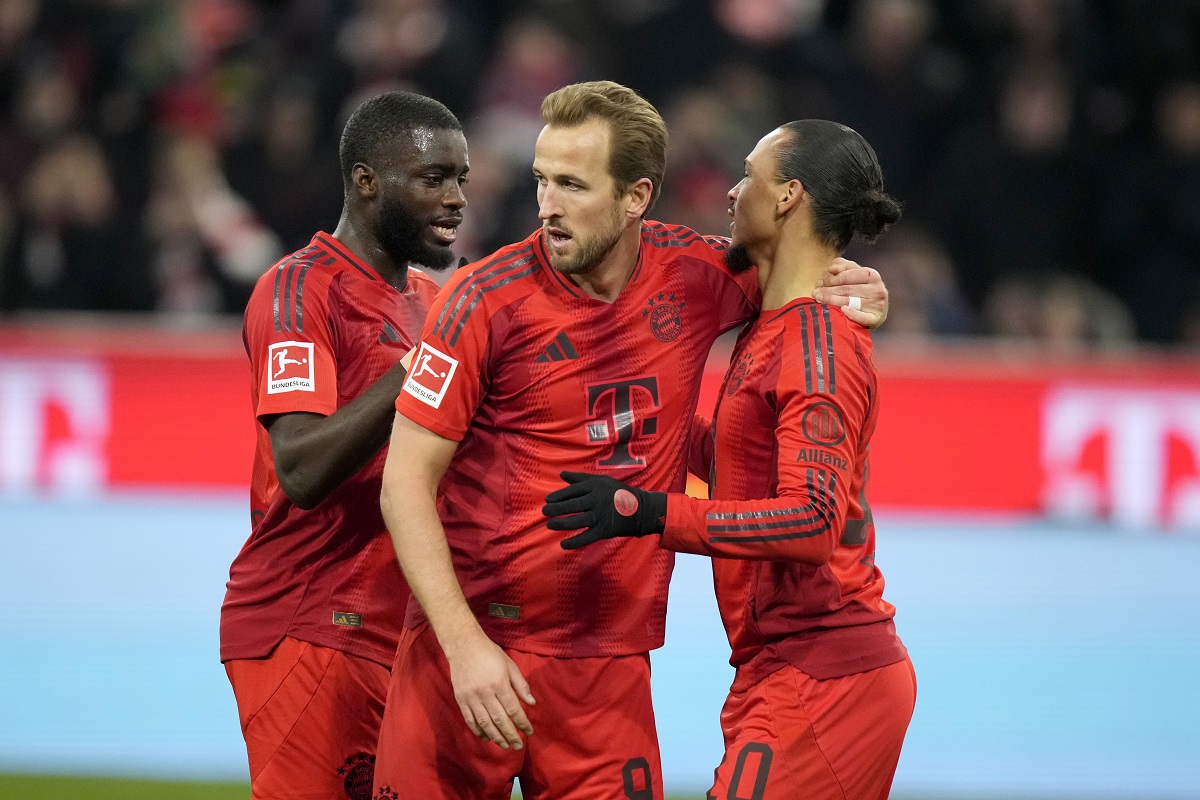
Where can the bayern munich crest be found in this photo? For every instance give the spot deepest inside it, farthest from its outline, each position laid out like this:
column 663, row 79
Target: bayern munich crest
column 665, row 315
column 738, row 374
column 358, row 776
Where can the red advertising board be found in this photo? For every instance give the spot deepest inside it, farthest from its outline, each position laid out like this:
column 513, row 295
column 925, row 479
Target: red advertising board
column 87, row 409
column 970, row 429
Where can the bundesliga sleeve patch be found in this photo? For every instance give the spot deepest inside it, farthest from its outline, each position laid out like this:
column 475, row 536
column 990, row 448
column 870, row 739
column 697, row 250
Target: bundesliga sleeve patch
column 430, row 374
column 290, row 368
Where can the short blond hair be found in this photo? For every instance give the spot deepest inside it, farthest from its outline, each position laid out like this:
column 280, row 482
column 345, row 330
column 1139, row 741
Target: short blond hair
column 638, row 133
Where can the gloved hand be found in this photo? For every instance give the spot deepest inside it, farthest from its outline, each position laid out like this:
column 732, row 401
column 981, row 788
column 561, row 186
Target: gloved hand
column 605, row 507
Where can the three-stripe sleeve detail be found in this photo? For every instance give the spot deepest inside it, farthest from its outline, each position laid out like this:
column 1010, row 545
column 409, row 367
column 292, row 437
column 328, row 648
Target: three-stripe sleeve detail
column 816, row 342
column 813, row 518
column 288, row 297
column 469, row 294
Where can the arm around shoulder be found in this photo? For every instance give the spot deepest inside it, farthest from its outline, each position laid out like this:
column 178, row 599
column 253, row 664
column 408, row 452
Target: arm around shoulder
column 859, row 291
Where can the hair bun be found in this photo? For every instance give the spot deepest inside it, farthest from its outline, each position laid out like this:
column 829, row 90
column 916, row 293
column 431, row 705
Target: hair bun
column 874, row 211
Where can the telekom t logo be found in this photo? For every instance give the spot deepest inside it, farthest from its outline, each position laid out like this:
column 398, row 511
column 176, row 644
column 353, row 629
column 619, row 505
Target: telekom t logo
column 1130, row 455
column 54, row 425
column 612, row 417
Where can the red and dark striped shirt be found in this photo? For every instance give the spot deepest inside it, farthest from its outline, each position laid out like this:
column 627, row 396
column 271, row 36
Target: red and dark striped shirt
column 788, row 526
column 532, row 377
column 320, row 327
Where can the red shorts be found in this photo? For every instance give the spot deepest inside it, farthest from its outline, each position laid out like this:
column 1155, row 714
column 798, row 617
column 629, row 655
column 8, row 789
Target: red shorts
column 593, row 724
column 310, row 716
column 791, row 735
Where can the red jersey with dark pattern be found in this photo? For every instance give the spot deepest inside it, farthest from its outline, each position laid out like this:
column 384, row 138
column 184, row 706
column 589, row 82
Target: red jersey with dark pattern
column 788, row 526
column 320, row 327
column 532, row 377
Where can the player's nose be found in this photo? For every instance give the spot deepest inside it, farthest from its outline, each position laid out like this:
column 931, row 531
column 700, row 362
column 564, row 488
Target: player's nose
column 548, row 205
column 455, row 197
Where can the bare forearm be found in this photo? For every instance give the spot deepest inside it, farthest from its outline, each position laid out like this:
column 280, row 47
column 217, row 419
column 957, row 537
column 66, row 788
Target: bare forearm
column 424, row 555
column 315, row 455
column 416, row 461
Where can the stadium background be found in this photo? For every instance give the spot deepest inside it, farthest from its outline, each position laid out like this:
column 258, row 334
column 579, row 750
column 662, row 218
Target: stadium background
column 1037, row 468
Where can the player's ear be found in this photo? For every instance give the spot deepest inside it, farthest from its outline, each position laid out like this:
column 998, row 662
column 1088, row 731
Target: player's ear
column 638, row 196
column 364, row 180
column 790, row 195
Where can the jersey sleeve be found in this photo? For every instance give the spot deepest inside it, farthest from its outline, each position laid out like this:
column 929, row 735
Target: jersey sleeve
column 820, row 424
column 448, row 373
column 289, row 338
column 700, row 448
column 738, row 295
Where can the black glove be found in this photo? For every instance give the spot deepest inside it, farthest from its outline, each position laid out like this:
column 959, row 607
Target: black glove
column 605, row 506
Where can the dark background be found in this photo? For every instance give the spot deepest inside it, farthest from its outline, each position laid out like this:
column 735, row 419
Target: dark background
column 157, row 156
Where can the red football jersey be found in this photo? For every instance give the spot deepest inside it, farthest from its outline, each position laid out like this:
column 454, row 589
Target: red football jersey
column 532, row 377
column 789, row 526
column 320, row 327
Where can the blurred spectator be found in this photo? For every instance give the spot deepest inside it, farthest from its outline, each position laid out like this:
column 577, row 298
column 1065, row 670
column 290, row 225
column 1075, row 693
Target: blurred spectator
column 896, row 86
column 925, row 300
column 1189, row 327
column 1023, row 135
column 1010, row 198
column 198, row 265
column 1150, row 217
column 432, row 45
column 44, row 105
column 533, row 59
column 751, row 105
column 17, row 20
column 287, row 168
column 241, row 245
column 1061, row 312
column 70, row 250
column 713, row 128
column 1010, row 310
column 703, row 162
column 1033, row 29
column 501, row 200
column 767, row 23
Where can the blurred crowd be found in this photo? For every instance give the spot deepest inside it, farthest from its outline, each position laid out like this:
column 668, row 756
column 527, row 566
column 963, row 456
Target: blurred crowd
column 158, row 155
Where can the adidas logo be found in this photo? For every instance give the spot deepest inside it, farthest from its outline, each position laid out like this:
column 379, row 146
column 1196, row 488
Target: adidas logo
column 558, row 350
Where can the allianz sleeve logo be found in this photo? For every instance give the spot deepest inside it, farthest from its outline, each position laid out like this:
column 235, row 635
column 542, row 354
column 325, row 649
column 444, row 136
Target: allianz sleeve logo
column 430, row 374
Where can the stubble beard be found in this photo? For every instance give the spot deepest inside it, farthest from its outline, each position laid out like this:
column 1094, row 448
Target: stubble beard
column 592, row 251
column 399, row 234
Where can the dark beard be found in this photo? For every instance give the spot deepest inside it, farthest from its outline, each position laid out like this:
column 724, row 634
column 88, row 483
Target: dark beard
column 737, row 258
column 399, row 234
column 588, row 258
column 590, row 253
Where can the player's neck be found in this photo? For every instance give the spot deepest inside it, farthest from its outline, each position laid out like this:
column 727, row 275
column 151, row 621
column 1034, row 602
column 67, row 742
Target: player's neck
column 609, row 277
column 369, row 251
column 793, row 269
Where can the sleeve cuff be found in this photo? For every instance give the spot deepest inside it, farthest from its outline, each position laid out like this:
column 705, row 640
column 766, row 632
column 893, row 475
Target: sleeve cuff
column 681, row 533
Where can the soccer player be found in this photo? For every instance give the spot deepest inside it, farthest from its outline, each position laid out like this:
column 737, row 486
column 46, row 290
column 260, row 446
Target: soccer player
column 824, row 688
column 315, row 599
column 581, row 347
